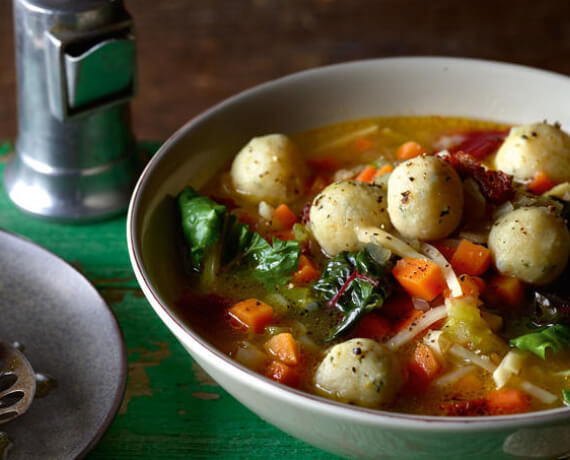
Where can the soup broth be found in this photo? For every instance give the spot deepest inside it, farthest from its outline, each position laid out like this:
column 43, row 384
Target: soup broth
column 387, row 306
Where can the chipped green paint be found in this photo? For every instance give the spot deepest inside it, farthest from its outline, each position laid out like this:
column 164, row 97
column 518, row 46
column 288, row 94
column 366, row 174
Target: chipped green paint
column 173, row 409
column 138, row 381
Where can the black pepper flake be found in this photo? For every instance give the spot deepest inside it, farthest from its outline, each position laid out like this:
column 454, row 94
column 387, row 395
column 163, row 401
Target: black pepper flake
column 445, row 212
column 354, row 369
column 405, row 196
column 357, row 351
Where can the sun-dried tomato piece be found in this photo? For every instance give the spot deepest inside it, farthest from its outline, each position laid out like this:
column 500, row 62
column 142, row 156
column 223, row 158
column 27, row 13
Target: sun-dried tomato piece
column 465, row 408
column 495, row 186
column 480, row 144
column 305, row 212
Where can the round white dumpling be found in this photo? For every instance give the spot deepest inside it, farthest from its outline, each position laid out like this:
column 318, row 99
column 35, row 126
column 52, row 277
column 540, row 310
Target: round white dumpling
column 360, row 371
column 425, row 198
column 532, row 148
column 530, row 243
column 269, row 168
column 341, row 208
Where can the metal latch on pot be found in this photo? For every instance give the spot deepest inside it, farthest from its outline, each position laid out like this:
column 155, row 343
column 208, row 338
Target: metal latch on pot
column 86, row 73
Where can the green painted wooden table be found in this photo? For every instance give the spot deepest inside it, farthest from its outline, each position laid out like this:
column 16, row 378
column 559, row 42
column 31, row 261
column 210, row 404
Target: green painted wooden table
column 171, row 408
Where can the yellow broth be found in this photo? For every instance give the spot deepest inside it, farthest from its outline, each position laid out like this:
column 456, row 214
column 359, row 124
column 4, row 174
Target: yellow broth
column 348, row 147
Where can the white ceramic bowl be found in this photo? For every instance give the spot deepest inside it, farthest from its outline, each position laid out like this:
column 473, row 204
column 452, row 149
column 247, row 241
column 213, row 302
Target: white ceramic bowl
column 383, row 87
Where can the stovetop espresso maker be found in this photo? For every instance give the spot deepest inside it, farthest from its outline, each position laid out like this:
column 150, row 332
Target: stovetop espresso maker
column 75, row 156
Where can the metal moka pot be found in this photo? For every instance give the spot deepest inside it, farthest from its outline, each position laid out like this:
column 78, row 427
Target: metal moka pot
column 75, row 156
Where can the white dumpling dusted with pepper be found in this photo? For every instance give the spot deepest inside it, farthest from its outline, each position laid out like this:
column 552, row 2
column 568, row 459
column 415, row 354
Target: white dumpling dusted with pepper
column 538, row 147
column 360, row 371
column 530, row 243
column 425, row 198
column 341, row 208
column 271, row 169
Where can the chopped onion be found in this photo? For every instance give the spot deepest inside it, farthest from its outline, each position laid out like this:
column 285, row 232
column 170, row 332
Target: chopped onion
column 265, row 210
column 249, row 355
column 343, row 140
column 454, row 375
column 509, row 366
column 450, row 276
column 448, row 141
column 420, row 304
column 396, row 245
column 424, row 321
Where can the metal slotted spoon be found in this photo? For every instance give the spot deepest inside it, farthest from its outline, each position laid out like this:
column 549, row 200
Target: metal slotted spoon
column 17, row 383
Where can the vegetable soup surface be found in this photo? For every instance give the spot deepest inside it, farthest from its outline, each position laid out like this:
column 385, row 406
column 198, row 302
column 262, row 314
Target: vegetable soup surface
column 409, row 264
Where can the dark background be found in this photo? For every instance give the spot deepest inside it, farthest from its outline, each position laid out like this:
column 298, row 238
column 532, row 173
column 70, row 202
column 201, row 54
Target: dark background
column 194, row 53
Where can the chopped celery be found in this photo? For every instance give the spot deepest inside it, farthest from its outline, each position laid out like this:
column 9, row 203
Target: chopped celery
column 465, row 325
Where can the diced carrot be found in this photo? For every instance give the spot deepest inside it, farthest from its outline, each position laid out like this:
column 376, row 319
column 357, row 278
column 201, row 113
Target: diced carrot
column 426, row 361
column 471, row 258
column 284, row 348
column 409, row 150
column 447, row 247
column 472, row 286
column 252, row 314
column 420, row 278
column 318, row 184
column 284, row 216
column 307, row 271
column 416, row 381
column 367, row 174
column 398, row 306
column 325, row 163
column 282, row 373
column 479, row 282
column 507, row 401
column 540, row 183
column 505, row 291
column 362, row 144
column 373, row 326
column 384, row 170
column 468, row 384
column 410, row 317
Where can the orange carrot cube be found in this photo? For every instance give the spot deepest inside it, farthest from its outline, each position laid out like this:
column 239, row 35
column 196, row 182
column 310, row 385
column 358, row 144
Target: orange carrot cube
column 252, row 314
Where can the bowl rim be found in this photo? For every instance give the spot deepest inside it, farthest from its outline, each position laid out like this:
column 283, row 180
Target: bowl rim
column 298, row 397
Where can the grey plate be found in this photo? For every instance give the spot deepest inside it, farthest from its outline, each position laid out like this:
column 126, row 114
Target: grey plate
column 68, row 332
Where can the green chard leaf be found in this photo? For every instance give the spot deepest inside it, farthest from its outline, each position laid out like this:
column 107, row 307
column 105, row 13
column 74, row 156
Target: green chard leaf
column 566, row 397
column 210, row 230
column 202, row 222
column 556, row 338
column 354, row 283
